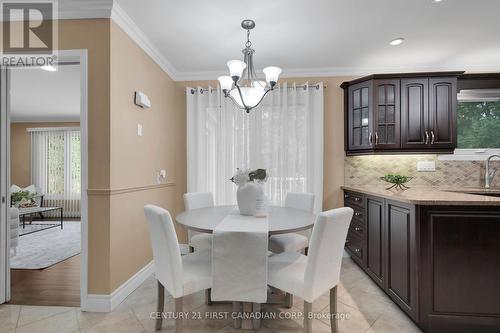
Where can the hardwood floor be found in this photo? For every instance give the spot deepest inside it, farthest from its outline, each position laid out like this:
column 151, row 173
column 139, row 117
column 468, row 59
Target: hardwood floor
column 55, row 285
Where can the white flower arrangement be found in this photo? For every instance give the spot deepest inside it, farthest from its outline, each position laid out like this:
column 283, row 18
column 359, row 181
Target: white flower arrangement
column 244, row 176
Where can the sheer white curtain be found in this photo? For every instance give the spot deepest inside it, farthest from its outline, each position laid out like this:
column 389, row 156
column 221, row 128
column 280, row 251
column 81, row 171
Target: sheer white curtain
column 55, row 167
column 283, row 135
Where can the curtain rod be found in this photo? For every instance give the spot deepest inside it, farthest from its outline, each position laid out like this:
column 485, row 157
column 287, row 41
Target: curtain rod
column 303, row 86
column 51, row 129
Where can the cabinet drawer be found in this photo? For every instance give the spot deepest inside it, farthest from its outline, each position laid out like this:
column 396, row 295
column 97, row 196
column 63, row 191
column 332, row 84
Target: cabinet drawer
column 355, row 245
column 357, row 228
column 359, row 212
column 352, row 198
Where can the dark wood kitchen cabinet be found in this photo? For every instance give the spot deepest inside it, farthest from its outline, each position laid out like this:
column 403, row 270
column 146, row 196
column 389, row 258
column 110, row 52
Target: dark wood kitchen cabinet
column 388, row 246
column 375, row 239
column 393, row 113
column 439, row 264
column 428, row 113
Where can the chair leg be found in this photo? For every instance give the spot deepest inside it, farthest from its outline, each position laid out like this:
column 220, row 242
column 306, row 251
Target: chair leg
column 307, row 319
column 306, row 250
column 160, row 305
column 191, row 249
column 333, row 310
column 237, row 309
column 178, row 317
column 288, row 300
column 208, row 296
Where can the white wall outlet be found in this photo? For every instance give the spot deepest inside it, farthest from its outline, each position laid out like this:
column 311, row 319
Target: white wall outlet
column 139, row 130
column 426, row 166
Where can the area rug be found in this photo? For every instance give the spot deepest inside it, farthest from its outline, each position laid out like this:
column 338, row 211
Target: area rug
column 47, row 247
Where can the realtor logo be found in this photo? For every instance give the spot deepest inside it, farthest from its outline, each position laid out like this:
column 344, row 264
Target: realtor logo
column 29, row 34
column 28, row 27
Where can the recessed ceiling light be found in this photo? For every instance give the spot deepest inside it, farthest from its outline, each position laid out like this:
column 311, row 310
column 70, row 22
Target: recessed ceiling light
column 396, row 41
column 438, row 0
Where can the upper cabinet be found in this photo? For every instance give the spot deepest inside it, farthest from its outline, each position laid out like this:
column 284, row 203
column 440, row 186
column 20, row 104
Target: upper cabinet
column 401, row 113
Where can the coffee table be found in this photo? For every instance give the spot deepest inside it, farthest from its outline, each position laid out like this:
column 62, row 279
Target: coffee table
column 30, row 211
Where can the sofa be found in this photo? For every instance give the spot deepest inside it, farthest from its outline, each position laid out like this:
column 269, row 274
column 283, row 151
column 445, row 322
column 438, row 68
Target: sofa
column 14, row 230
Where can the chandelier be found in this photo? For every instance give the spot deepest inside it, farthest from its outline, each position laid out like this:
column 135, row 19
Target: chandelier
column 242, row 85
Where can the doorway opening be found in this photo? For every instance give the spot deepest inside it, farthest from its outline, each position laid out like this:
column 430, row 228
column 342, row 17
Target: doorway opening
column 46, row 224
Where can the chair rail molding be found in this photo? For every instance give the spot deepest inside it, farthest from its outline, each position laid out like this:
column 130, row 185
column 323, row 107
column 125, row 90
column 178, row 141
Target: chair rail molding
column 123, row 190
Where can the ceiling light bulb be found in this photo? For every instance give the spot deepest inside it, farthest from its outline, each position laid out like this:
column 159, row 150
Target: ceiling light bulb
column 272, row 74
column 49, row 68
column 396, row 41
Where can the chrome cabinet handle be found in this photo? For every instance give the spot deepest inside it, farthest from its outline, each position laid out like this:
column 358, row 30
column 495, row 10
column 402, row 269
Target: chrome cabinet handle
column 357, row 214
column 376, row 138
column 426, row 137
column 357, row 229
column 357, row 250
column 357, row 199
column 432, row 136
column 370, row 139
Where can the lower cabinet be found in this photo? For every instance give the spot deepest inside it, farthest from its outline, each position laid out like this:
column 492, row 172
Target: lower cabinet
column 389, row 244
column 400, row 261
column 375, row 238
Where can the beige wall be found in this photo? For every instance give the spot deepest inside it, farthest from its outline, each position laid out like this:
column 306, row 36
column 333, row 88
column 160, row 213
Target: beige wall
column 333, row 172
column 20, row 148
column 136, row 160
column 94, row 35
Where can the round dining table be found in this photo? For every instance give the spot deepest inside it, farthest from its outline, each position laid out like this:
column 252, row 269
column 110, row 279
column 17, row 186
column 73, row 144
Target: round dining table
column 282, row 220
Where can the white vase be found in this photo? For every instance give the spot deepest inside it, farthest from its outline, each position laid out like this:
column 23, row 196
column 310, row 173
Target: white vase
column 247, row 196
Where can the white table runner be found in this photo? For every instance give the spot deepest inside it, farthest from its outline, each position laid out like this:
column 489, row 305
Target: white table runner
column 239, row 259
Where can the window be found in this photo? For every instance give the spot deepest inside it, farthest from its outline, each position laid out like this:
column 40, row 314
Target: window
column 478, row 124
column 55, row 167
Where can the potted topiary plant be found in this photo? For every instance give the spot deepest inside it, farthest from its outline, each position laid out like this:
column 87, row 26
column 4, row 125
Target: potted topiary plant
column 397, row 181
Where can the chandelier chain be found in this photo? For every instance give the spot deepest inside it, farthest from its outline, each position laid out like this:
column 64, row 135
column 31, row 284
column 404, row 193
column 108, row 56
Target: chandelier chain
column 248, row 43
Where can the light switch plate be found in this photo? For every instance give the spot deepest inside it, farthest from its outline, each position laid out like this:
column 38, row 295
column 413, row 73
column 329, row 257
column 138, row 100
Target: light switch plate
column 426, row 166
column 139, row 130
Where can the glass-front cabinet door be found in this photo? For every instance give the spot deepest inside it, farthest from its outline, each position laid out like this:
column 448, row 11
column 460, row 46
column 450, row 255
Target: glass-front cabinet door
column 386, row 114
column 360, row 116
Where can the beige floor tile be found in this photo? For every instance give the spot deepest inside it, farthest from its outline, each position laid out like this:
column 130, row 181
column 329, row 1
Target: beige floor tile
column 9, row 315
column 350, row 319
column 393, row 320
column 65, row 322
column 89, row 319
column 369, row 305
column 120, row 321
column 30, row 314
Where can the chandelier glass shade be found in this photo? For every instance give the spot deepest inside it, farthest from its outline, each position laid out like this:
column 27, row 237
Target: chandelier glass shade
column 242, row 85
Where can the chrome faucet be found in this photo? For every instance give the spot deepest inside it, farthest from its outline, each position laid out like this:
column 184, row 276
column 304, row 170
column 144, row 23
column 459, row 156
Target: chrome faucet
column 488, row 176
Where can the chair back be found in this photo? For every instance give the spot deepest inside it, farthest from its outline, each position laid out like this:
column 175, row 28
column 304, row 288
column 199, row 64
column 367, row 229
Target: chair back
column 195, row 200
column 326, row 247
column 166, row 252
column 302, row 201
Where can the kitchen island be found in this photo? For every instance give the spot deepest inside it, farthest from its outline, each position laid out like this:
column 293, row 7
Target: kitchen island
column 435, row 252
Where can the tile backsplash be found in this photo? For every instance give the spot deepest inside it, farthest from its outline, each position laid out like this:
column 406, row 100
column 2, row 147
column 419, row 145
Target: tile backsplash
column 367, row 170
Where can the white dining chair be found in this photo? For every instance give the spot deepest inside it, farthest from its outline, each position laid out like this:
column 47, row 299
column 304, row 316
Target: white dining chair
column 311, row 276
column 181, row 276
column 293, row 241
column 195, row 200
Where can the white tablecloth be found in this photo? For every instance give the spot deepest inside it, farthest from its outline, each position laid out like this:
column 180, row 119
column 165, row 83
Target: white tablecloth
column 239, row 259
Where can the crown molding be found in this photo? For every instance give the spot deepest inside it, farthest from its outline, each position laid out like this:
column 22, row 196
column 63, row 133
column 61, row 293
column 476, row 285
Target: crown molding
column 345, row 71
column 121, row 18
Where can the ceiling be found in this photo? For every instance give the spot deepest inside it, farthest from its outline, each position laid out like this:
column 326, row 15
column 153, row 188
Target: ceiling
column 38, row 95
column 321, row 37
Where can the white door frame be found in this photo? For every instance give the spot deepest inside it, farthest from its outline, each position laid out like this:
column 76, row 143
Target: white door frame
column 82, row 54
column 4, row 189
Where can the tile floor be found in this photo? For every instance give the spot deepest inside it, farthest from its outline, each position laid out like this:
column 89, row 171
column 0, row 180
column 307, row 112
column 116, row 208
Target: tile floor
column 367, row 307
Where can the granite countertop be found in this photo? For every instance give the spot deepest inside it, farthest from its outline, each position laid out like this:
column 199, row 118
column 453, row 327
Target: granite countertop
column 432, row 195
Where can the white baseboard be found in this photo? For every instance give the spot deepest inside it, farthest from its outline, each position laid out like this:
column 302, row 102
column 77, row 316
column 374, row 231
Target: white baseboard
column 107, row 303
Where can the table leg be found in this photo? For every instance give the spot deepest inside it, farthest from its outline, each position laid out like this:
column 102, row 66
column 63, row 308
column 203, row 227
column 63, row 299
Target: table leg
column 247, row 322
column 256, row 312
